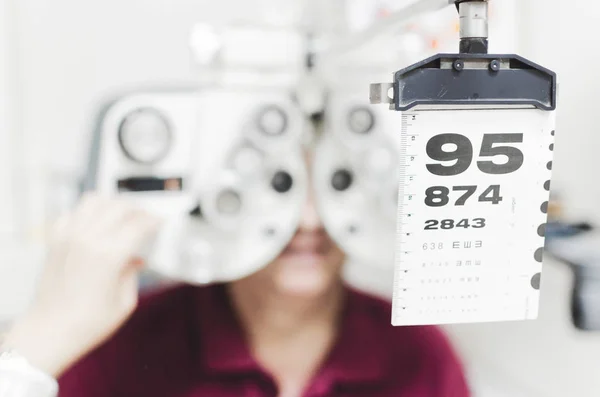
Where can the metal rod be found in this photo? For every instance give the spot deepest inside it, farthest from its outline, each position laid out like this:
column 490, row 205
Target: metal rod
column 474, row 26
column 474, row 19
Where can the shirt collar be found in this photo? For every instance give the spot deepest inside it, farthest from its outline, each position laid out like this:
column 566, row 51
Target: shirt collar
column 223, row 345
column 359, row 354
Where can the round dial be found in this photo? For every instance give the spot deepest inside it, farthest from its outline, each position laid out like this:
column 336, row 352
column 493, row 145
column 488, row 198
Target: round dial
column 272, row 121
column 145, row 136
column 361, row 120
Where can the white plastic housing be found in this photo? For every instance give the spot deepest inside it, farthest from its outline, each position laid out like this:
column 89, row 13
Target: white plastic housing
column 216, row 147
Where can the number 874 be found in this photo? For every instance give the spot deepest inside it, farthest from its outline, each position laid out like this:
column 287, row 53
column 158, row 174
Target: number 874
column 439, row 196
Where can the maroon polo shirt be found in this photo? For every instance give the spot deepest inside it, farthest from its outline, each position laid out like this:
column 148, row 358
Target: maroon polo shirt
column 187, row 342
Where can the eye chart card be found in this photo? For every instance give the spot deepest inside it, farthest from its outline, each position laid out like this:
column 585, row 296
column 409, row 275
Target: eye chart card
column 474, row 190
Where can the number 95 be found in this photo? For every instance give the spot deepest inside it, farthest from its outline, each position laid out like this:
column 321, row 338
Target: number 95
column 463, row 155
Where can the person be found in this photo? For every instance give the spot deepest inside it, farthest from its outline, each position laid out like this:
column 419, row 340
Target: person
column 292, row 329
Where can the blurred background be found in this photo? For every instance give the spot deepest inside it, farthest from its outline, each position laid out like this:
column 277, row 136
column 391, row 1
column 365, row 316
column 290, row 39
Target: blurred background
column 61, row 60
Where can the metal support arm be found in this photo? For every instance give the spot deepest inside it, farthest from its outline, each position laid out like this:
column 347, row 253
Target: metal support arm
column 473, row 25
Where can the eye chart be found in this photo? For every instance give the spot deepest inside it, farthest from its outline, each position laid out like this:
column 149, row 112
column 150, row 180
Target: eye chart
column 474, row 190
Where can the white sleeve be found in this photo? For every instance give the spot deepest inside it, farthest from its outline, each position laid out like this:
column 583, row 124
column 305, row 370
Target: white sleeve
column 20, row 379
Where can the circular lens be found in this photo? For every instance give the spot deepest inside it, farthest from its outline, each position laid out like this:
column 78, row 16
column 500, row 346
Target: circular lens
column 341, row 180
column 282, row 182
column 145, row 136
column 361, row 121
column 229, row 202
column 272, row 121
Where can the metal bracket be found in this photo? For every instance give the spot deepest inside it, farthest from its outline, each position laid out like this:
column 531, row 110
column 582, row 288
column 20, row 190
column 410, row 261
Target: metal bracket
column 469, row 79
column 380, row 94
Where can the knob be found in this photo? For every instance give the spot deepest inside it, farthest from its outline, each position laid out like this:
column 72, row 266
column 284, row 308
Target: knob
column 145, row 136
column 342, row 180
column 272, row 121
column 282, row 182
column 361, row 121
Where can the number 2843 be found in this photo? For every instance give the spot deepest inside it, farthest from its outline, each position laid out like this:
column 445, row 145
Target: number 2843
column 448, row 224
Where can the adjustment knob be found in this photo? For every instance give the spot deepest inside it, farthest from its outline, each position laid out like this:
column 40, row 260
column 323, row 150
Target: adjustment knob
column 145, row 136
column 361, row 121
column 342, row 180
column 282, row 182
column 272, row 121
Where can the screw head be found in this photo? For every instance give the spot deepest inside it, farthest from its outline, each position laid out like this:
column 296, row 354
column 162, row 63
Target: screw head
column 495, row 65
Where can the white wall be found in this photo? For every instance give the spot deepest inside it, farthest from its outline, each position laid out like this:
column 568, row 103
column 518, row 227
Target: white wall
column 564, row 37
column 6, row 124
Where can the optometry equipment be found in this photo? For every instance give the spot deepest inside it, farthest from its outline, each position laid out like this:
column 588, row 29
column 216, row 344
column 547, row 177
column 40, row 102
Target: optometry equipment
column 223, row 168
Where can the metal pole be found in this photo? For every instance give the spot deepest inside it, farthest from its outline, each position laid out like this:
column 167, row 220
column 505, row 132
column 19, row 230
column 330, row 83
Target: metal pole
column 473, row 26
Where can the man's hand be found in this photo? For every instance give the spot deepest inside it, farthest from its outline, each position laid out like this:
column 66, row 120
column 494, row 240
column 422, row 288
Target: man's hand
column 88, row 288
